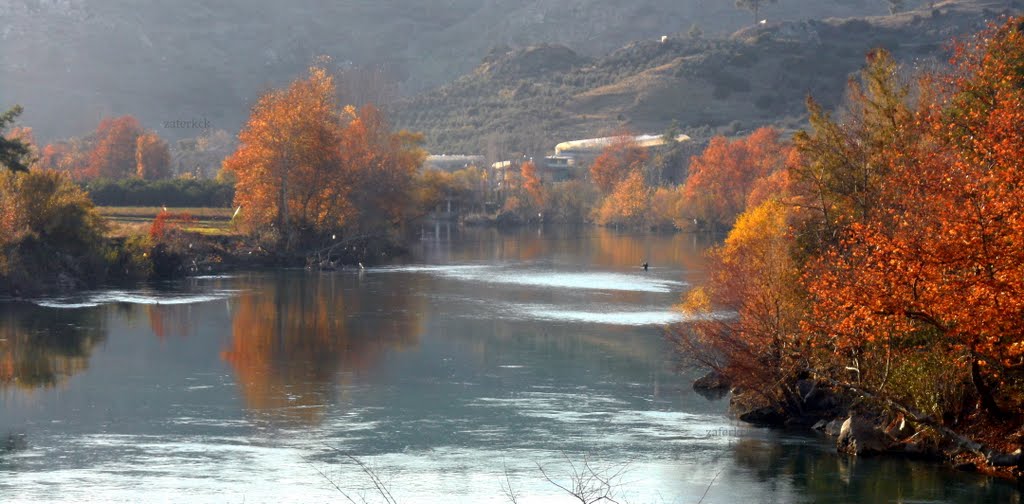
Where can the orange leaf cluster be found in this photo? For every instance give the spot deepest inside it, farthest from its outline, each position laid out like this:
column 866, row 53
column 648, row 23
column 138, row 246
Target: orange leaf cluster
column 116, row 143
column 725, row 175
column 531, row 184
column 628, row 203
column 152, row 157
column 616, row 162
column 900, row 268
column 308, row 167
column 165, row 222
column 944, row 252
column 119, row 148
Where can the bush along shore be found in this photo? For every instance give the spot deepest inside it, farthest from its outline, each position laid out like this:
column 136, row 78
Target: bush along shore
column 877, row 290
column 125, row 261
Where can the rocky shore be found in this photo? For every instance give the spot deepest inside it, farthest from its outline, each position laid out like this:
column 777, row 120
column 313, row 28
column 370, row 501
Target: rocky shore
column 860, row 430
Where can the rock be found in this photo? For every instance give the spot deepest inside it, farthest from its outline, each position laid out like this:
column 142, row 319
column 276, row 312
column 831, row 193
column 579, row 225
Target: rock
column 829, row 428
column 900, row 428
column 1006, row 459
column 764, row 417
column 746, row 404
column 712, row 386
column 860, row 436
column 834, row 427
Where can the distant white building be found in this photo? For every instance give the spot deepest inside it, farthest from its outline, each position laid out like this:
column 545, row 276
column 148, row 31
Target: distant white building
column 591, row 147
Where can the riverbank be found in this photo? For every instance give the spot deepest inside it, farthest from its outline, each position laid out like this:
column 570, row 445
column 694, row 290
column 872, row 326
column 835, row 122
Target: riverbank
column 131, row 259
column 861, row 427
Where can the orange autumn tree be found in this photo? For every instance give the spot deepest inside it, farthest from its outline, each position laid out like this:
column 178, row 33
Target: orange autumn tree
column 288, row 164
column 531, row 184
column 115, row 146
column 152, row 157
column 723, row 176
column 755, row 337
column 940, row 264
column 667, row 208
column 71, row 156
column 381, row 167
column 307, row 168
column 629, row 202
column 616, row 161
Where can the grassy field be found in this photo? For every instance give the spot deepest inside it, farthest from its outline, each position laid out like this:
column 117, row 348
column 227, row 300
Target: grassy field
column 127, row 221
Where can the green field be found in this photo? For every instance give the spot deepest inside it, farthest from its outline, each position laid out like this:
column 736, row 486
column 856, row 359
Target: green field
column 133, row 220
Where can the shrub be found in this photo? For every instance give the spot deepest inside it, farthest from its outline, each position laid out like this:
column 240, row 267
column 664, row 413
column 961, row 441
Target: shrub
column 174, row 192
column 50, row 233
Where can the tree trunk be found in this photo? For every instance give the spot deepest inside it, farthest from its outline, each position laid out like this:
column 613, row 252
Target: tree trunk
column 988, row 403
column 282, row 206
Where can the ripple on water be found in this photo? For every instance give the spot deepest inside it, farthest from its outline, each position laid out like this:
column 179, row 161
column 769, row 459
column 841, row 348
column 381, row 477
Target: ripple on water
column 606, row 281
column 605, row 314
column 90, row 300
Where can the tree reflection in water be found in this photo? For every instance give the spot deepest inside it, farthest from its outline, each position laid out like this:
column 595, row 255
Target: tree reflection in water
column 824, row 477
column 41, row 348
column 294, row 336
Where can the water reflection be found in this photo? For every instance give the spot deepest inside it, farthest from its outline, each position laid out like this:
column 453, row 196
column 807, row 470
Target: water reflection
column 164, row 320
column 818, row 475
column 597, row 247
column 293, row 336
column 43, row 348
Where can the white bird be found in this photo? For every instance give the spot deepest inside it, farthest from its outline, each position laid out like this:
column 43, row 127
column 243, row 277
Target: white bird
column 763, row 21
column 361, row 266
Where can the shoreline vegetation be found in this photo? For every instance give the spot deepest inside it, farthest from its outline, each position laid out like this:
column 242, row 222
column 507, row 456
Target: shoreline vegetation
column 875, row 261
column 879, row 287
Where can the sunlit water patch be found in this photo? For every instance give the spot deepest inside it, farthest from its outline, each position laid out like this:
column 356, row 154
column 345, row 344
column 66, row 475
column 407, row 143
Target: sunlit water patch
column 607, row 281
column 605, row 314
column 101, row 298
column 627, row 318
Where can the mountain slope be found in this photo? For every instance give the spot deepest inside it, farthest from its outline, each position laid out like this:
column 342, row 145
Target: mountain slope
column 757, row 76
column 70, row 62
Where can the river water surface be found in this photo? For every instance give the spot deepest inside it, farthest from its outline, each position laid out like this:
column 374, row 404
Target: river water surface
column 482, row 362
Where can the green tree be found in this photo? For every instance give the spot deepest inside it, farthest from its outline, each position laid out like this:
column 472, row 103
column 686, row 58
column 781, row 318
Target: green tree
column 846, row 160
column 14, row 154
column 754, row 6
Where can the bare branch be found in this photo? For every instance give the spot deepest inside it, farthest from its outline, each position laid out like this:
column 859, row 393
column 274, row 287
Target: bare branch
column 506, row 486
column 708, row 489
column 329, row 480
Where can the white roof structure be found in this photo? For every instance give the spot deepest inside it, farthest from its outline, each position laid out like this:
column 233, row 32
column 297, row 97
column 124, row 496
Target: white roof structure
column 597, row 144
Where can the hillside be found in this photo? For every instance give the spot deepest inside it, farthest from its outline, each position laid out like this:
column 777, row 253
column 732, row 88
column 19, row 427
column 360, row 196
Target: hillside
column 527, row 100
column 71, row 62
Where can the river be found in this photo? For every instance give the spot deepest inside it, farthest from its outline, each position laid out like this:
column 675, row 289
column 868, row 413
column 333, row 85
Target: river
column 485, row 361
